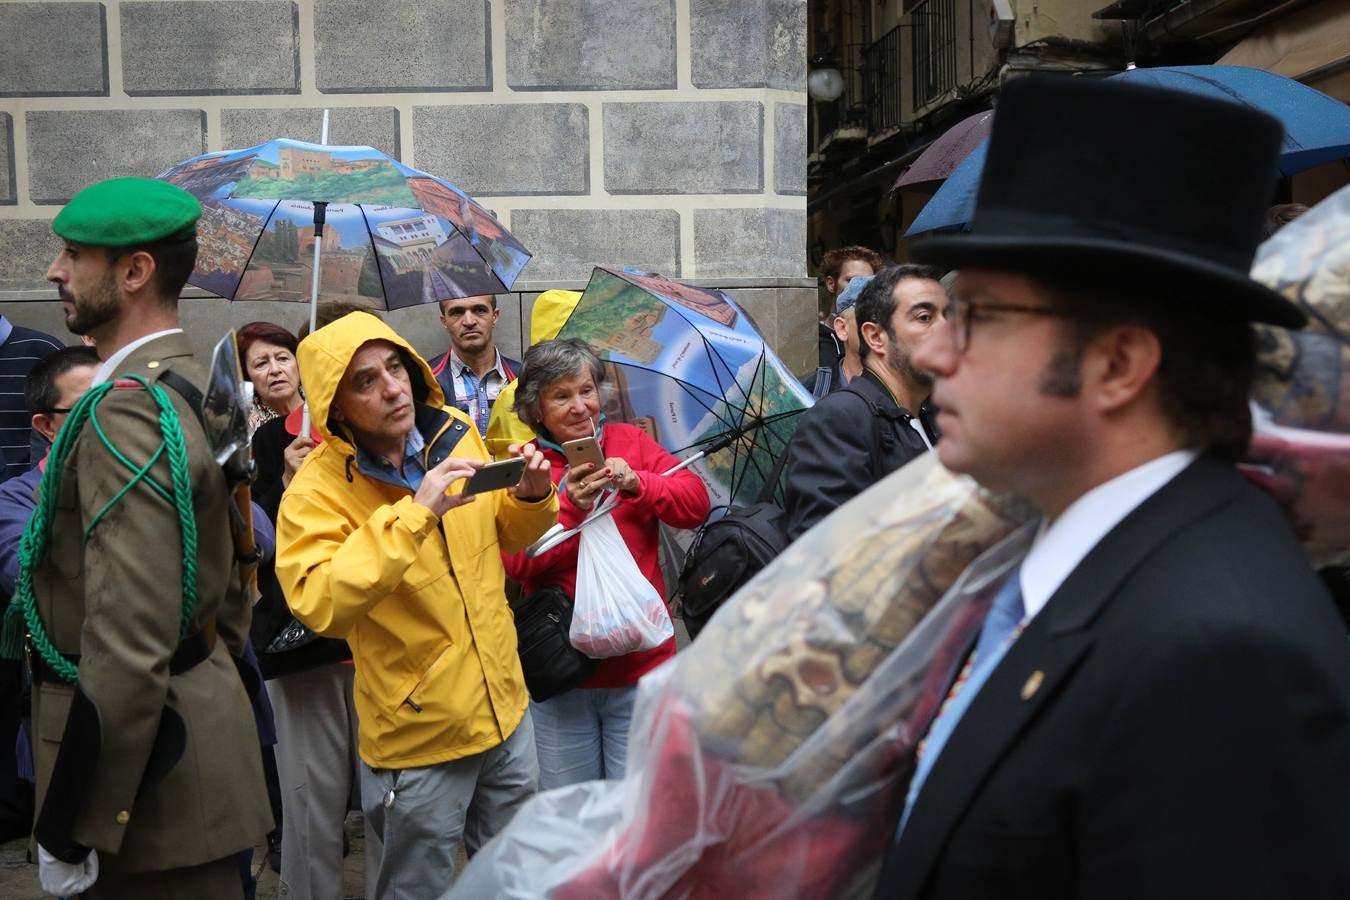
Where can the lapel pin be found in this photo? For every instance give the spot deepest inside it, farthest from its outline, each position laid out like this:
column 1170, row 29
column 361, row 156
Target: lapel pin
column 1033, row 684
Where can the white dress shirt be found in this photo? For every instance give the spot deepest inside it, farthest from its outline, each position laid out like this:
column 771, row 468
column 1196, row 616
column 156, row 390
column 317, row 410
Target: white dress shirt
column 110, row 365
column 1060, row 547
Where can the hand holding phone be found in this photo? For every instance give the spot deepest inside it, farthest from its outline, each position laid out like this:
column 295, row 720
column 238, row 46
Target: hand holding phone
column 537, row 482
column 583, row 450
column 433, row 493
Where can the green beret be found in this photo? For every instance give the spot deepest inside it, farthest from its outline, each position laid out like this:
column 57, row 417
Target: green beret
column 122, row 212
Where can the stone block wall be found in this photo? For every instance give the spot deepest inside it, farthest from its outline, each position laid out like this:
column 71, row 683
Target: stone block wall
column 664, row 134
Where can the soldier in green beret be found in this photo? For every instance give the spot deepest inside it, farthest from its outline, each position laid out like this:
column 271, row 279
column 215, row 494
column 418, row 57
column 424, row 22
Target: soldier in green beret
column 149, row 779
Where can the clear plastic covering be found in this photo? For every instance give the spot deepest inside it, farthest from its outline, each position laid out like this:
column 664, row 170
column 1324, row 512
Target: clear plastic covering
column 1300, row 451
column 768, row 759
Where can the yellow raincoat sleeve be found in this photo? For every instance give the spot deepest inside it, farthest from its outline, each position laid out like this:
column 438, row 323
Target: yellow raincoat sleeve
column 520, row 524
column 333, row 573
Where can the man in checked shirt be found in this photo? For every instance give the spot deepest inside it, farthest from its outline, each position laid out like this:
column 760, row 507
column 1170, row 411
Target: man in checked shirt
column 471, row 371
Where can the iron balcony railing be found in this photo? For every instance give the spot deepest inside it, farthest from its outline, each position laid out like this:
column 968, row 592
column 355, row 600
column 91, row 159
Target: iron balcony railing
column 881, row 80
column 934, row 50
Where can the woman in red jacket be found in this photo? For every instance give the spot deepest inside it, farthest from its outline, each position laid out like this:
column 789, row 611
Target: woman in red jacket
column 582, row 735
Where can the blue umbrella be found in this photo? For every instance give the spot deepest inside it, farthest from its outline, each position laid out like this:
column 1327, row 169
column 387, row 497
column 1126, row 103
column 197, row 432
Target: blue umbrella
column 953, row 206
column 1316, row 129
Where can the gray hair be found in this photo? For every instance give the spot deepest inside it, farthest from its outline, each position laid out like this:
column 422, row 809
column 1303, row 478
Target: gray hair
column 545, row 363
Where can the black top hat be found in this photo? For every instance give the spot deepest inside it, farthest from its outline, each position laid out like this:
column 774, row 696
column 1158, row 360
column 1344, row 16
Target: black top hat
column 1125, row 184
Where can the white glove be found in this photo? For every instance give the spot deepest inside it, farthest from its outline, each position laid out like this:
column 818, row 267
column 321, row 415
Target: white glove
column 63, row 879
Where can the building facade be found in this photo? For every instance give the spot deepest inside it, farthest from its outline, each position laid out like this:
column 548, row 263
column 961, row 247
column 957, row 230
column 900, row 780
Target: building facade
column 669, row 135
column 911, row 69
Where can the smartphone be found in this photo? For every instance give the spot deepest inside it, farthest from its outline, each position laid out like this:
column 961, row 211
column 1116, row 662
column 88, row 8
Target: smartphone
column 496, row 476
column 582, row 451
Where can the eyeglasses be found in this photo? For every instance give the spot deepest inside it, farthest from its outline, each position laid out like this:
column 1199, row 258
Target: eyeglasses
column 57, row 409
column 962, row 313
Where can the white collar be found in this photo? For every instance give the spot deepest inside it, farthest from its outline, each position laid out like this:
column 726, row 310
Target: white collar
column 1059, row 549
column 109, row 367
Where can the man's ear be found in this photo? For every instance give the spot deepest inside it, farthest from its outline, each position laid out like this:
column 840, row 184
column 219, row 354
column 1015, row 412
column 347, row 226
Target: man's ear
column 42, row 424
column 873, row 335
column 335, row 413
column 136, row 271
column 1120, row 364
column 840, row 328
column 830, row 282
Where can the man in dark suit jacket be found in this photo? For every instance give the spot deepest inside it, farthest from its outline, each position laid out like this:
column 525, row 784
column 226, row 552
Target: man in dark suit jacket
column 1159, row 703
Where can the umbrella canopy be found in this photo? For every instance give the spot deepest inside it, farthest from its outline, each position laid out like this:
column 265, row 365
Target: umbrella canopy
column 1316, row 129
column 689, row 367
column 938, row 160
column 953, row 206
column 394, row 236
column 1316, row 126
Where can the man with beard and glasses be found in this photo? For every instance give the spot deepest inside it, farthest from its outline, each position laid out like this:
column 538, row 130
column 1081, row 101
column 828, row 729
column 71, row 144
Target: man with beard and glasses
column 133, row 601
column 471, row 372
column 857, row 435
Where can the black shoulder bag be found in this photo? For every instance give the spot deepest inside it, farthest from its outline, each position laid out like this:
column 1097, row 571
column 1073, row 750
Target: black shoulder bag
column 550, row 662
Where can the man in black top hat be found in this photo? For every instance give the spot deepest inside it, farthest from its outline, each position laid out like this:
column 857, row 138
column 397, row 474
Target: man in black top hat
column 1159, row 702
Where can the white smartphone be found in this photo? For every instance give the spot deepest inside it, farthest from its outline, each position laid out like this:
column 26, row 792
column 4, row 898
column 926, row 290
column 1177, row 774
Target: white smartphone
column 496, row 476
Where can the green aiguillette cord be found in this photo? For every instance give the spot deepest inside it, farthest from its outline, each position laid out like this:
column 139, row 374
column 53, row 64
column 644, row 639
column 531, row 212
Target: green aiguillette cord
column 33, row 546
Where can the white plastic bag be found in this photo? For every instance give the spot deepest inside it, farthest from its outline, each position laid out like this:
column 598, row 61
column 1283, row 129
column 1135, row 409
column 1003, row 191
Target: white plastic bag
column 616, row 609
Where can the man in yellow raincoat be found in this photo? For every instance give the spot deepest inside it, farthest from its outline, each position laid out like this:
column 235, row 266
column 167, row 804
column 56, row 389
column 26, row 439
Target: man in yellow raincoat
column 377, row 544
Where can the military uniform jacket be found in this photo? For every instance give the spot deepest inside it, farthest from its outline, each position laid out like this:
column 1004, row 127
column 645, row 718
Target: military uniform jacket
column 170, row 773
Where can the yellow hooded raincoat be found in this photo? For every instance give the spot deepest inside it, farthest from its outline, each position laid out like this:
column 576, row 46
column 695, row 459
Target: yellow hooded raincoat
column 419, row 600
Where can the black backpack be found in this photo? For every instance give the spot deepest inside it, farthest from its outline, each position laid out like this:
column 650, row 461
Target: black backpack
column 729, row 551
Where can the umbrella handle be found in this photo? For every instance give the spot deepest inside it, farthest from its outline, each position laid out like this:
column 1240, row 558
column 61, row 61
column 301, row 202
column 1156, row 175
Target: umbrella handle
column 244, row 544
column 557, row 535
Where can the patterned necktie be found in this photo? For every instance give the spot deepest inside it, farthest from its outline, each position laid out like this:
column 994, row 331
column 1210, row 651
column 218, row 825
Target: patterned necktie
column 1000, row 629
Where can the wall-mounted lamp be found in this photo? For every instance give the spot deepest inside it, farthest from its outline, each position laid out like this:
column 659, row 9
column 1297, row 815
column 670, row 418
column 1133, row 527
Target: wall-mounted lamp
column 824, row 84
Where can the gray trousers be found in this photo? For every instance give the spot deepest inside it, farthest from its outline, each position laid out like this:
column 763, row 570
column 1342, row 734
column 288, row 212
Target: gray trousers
column 317, row 766
column 412, row 834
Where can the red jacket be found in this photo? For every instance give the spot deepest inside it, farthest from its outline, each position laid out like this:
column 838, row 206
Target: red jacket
column 679, row 500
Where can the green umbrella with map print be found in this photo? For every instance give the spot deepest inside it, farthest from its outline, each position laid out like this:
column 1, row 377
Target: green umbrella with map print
column 690, row 368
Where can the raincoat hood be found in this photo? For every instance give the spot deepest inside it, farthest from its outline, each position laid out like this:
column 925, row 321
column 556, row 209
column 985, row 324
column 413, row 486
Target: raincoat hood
column 324, row 356
column 551, row 311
